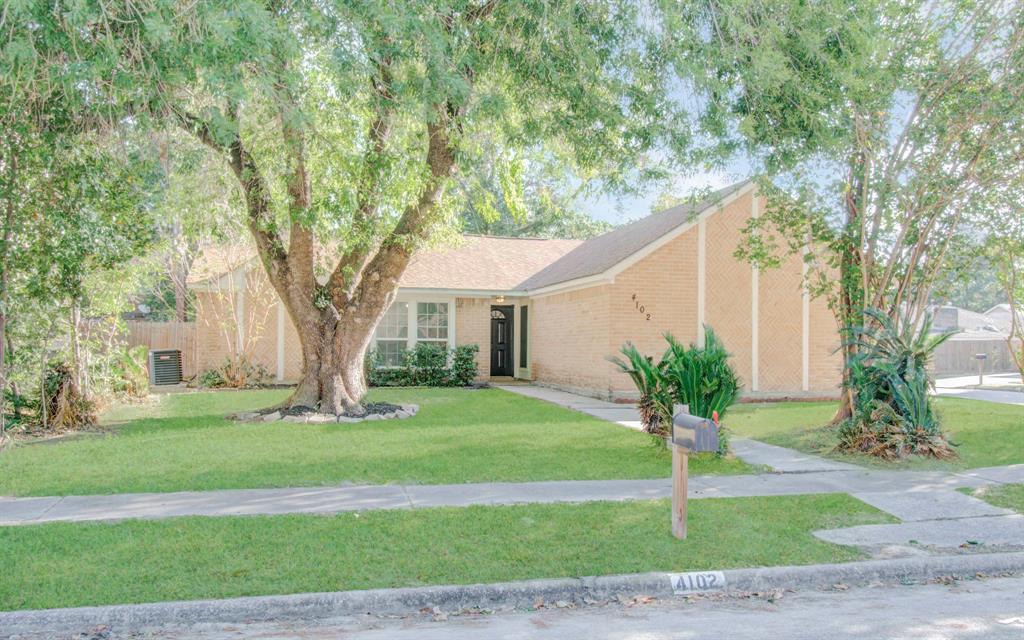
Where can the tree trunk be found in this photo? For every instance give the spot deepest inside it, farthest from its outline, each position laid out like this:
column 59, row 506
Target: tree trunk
column 76, row 346
column 5, row 280
column 180, row 298
column 849, row 310
column 333, row 378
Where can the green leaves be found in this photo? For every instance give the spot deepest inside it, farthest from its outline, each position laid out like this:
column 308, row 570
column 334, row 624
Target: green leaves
column 698, row 376
column 893, row 416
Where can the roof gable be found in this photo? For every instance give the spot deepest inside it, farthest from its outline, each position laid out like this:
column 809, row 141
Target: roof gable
column 598, row 255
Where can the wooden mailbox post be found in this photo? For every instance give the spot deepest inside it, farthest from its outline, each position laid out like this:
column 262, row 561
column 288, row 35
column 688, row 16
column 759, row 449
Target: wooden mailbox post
column 689, row 433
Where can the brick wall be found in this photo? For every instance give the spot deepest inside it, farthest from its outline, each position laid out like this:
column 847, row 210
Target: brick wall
column 728, row 286
column 473, row 326
column 215, row 330
column 574, row 332
column 654, row 296
column 780, row 326
column 570, row 334
column 826, row 363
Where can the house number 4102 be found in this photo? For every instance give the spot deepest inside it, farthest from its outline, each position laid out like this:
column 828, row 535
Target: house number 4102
column 641, row 308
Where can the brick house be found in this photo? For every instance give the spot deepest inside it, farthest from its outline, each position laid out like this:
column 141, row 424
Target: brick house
column 551, row 311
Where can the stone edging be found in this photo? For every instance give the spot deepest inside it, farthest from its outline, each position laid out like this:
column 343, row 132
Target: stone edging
column 406, row 411
column 509, row 595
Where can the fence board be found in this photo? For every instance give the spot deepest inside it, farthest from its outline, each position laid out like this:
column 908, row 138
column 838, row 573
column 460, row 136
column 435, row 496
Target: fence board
column 166, row 335
column 958, row 357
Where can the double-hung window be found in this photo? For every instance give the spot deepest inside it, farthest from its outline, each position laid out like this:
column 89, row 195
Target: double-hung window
column 432, row 323
column 393, row 335
column 407, row 323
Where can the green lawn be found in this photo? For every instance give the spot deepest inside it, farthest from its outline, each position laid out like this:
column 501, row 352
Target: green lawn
column 1007, row 496
column 460, row 435
column 75, row 564
column 988, row 434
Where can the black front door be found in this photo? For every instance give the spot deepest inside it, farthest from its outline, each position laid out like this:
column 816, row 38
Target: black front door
column 501, row 340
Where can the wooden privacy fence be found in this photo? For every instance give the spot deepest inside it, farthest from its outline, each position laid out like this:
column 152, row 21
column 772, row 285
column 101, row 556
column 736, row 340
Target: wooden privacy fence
column 166, row 335
column 959, row 357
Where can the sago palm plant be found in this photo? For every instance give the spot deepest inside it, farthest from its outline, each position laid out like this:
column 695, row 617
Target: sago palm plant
column 893, row 416
column 701, row 377
column 655, row 403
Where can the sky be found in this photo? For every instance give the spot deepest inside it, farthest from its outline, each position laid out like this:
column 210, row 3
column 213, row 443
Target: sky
column 621, row 209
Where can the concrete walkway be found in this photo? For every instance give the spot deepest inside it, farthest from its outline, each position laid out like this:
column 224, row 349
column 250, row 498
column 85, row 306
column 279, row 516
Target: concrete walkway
column 784, row 460
column 623, row 414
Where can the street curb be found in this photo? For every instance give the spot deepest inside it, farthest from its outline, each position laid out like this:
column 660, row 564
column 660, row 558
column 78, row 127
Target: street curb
column 520, row 594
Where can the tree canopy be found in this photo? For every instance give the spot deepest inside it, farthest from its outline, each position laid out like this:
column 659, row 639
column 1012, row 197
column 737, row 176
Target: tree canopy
column 346, row 122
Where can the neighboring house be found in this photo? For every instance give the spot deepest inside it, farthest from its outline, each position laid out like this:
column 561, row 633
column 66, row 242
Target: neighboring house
column 552, row 311
column 1001, row 317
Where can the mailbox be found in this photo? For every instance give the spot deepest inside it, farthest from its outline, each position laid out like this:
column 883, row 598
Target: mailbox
column 694, row 433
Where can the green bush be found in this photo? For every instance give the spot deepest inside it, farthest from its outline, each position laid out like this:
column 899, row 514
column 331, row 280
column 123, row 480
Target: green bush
column 463, row 370
column 130, row 369
column 700, row 377
column 426, row 365
column 893, row 415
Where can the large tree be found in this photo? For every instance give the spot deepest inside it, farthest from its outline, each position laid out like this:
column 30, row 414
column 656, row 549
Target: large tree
column 344, row 123
column 532, row 193
column 879, row 126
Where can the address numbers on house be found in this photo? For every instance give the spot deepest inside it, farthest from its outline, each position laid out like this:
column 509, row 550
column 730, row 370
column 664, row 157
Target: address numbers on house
column 639, row 306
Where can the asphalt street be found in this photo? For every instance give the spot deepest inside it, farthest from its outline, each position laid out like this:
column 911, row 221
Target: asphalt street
column 990, row 608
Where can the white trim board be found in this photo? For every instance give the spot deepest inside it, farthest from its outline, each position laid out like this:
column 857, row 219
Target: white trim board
column 702, row 239
column 755, row 320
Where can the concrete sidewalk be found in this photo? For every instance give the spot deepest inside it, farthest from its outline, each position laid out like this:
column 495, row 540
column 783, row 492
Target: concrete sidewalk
column 922, row 495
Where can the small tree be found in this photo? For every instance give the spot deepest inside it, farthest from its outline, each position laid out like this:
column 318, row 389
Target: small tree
column 239, row 325
column 880, row 126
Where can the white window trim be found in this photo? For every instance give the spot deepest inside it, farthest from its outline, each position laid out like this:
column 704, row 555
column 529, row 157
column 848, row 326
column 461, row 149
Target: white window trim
column 411, row 300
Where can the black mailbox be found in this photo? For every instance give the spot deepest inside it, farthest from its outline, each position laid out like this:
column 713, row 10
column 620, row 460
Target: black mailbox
column 694, row 433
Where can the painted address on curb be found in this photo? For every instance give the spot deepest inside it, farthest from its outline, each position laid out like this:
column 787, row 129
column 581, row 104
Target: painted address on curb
column 697, row 582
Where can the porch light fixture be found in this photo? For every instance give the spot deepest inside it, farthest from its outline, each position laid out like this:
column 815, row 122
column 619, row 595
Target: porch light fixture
column 500, row 299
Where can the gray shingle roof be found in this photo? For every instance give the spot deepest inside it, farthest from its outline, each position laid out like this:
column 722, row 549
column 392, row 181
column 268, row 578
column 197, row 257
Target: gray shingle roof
column 597, row 255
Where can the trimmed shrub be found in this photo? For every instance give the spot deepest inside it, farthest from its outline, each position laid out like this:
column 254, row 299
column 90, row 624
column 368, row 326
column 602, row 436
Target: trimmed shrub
column 463, row 370
column 426, row 365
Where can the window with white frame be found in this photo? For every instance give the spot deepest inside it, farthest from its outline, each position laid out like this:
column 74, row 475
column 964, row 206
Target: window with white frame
column 432, row 322
column 393, row 335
